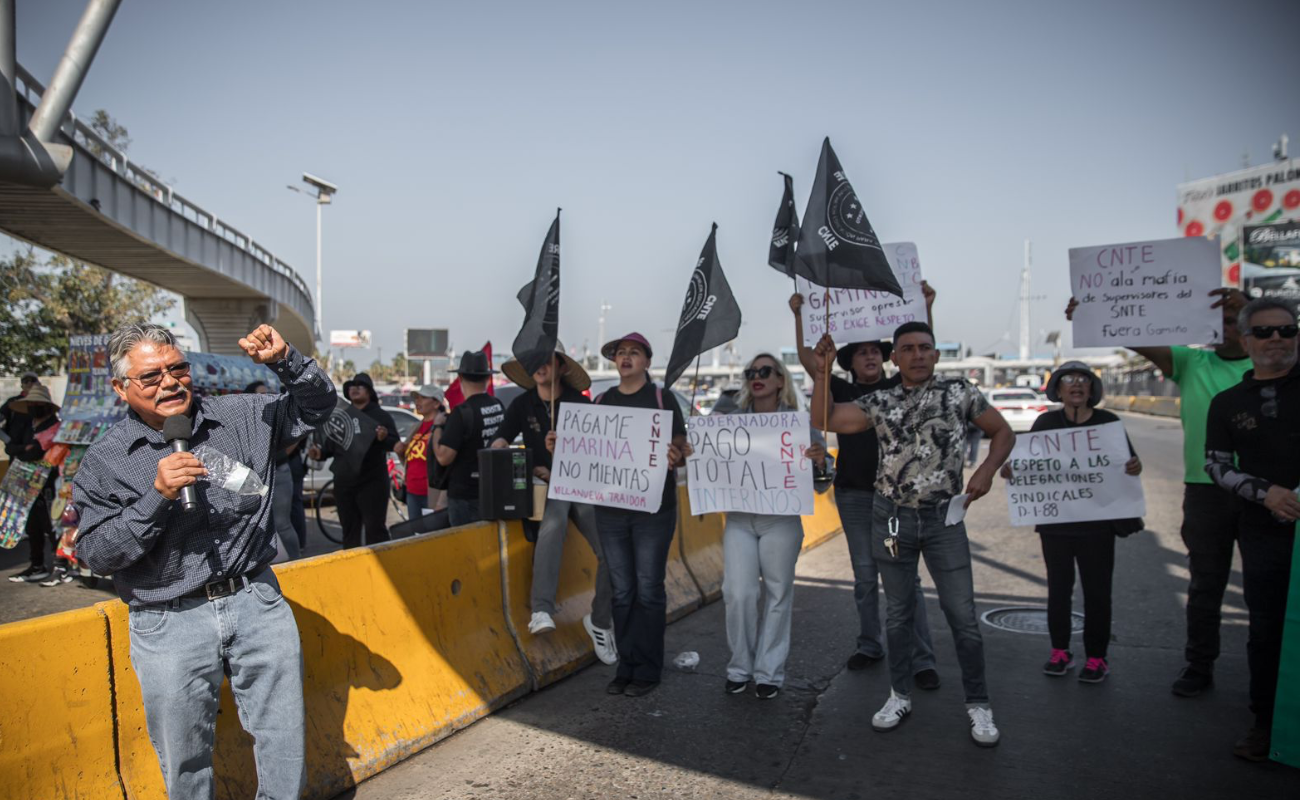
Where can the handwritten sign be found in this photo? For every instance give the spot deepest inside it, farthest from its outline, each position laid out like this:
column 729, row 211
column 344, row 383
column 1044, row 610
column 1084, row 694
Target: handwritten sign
column 857, row 315
column 1145, row 294
column 756, row 463
column 1073, row 475
column 611, row 456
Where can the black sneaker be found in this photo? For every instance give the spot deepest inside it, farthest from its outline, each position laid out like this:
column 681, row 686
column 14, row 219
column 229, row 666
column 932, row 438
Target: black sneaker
column 766, row 691
column 617, row 686
column 1059, row 663
column 30, row 575
column 1094, row 670
column 640, row 688
column 860, row 661
column 927, row 679
column 1254, row 746
column 736, row 687
column 1192, row 682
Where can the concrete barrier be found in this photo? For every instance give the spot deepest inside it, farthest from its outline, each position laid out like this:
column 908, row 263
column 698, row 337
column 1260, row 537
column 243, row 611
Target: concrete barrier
column 56, row 708
column 824, row 524
column 701, row 545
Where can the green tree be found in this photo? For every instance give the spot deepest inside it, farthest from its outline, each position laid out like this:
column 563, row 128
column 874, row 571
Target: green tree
column 399, row 365
column 46, row 301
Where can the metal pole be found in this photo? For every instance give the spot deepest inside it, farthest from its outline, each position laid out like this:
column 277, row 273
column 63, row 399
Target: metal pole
column 319, row 330
column 8, row 68
column 65, row 84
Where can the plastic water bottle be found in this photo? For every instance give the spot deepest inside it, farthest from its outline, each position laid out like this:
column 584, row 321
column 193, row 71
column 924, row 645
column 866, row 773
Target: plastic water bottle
column 687, row 661
column 226, row 473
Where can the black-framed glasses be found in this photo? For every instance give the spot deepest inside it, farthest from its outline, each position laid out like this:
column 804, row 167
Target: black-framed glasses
column 758, row 373
column 154, row 377
column 1269, row 406
column 1267, row 331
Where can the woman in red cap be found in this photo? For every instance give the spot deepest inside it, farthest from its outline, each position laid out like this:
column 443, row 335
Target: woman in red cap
column 635, row 543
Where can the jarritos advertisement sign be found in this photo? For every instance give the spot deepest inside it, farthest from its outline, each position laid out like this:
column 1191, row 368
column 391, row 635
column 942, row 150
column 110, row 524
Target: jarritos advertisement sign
column 1222, row 205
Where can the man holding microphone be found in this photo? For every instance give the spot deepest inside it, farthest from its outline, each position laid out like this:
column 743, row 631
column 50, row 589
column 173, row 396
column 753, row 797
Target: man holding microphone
column 203, row 601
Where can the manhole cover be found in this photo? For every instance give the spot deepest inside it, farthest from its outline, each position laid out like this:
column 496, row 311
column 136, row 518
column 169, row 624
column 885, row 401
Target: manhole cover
column 1026, row 619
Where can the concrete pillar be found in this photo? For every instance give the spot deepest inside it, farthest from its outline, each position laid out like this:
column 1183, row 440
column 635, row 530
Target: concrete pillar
column 221, row 322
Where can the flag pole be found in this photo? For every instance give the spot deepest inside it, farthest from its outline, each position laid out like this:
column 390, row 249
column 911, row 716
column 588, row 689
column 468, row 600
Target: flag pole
column 695, row 382
column 826, row 396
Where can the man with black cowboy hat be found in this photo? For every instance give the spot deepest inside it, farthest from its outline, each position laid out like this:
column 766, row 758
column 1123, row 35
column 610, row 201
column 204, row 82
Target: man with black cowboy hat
column 34, row 413
column 855, row 481
column 559, row 380
column 470, row 427
column 361, row 490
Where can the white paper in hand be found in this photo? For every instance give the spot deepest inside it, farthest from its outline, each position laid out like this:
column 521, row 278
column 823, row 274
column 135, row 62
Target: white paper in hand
column 956, row 510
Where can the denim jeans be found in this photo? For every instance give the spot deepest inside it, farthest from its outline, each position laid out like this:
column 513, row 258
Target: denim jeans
column 282, row 511
column 548, row 557
column 759, row 554
column 635, row 545
column 855, row 515
column 922, row 533
column 461, row 511
column 415, row 504
column 182, row 649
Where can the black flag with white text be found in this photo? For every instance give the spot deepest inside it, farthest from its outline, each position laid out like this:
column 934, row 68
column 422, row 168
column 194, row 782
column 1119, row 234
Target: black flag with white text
column 540, row 298
column 785, row 232
column 710, row 314
column 837, row 246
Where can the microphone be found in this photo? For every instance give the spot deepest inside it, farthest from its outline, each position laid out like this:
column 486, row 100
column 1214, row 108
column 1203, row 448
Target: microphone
column 176, row 431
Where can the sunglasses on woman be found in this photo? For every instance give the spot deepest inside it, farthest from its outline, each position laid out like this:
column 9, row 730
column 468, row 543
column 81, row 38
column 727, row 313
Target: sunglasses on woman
column 1267, row 331
column 757, row 373
column 1070, row 380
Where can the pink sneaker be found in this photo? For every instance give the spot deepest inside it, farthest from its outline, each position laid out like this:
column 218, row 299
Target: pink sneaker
column 1059, row 663
column 1095, row 670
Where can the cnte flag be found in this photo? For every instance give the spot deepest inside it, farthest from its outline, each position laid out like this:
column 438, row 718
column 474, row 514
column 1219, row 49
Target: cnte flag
column 837, row 246
column 710, row 314
column 540, row 298
column 785, row 232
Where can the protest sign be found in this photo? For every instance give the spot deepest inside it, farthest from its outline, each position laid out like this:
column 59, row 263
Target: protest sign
column 1145, row 294
column 1072, row 475
column 611, row 456
column 861, row 315
column 756, row 463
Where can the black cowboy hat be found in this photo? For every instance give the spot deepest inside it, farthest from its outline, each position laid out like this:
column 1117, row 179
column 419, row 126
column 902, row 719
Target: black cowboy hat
column 844, row 356
column 474, row 365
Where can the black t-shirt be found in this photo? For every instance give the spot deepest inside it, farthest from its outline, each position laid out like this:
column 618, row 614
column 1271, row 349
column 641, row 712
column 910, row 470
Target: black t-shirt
column 530, row 415
column 1259, row 421
column 859, row 456
column 468, row 431
column 1055, row 420
column 648, row 397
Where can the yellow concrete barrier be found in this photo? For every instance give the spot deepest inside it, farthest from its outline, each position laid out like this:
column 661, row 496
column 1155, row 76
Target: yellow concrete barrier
column 564, row 650
column 824, row 524
column 701, row 542
column 403, row 644
column 1166, row 406
column 683, row 594
column 56, row 708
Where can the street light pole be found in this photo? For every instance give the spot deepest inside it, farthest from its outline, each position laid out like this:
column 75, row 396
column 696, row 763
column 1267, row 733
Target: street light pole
column 323, row 194
column 319, row 330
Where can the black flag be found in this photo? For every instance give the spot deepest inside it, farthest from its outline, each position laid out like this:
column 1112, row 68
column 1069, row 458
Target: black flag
column 710, row 315
column 785, row 232
column 837, row 246
column 540, row 298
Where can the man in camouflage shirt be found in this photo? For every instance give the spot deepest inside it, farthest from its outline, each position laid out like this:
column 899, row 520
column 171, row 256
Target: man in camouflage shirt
column 921, row 425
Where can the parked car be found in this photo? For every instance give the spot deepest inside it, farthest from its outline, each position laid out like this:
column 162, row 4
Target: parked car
column 318, row 476
column 1020, row 407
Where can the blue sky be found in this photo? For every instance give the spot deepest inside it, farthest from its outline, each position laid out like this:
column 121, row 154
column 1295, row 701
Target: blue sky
column 455, row 129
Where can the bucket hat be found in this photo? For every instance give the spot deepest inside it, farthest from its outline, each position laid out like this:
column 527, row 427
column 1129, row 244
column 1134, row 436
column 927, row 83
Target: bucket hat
column 611, row 347
column 1054, row 383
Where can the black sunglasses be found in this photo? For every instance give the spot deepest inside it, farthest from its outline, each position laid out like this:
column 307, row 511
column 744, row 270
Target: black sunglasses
column 759, row 372
column 1267, row 331
column 178, row 370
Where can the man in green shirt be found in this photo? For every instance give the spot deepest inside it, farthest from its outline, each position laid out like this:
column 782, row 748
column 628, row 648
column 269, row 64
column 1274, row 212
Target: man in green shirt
column 1209, row 513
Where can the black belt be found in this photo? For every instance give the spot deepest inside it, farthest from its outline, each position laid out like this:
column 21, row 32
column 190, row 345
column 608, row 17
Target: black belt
column 222, row 588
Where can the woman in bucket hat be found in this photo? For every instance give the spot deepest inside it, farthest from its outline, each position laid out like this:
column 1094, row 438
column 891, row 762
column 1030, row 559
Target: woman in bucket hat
column 31, row 430
column 558, row 380
column 431, row 406
column 1089, row 545
column 635, row 543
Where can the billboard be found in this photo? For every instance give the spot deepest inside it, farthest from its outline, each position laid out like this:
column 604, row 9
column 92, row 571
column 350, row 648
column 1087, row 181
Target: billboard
column 426, row 342
column 1271, row 263
column 1222, row 205
column 349, row 338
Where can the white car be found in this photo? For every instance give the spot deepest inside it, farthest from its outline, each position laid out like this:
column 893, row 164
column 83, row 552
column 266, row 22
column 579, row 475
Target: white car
column 1020, row 407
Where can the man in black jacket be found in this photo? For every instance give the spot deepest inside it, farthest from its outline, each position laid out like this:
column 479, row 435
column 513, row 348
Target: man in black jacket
column 1252, row 449
column 34, row 413
column 361, row 491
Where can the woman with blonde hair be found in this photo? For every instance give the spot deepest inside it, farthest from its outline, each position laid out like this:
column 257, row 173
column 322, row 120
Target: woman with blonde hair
column 760, row 551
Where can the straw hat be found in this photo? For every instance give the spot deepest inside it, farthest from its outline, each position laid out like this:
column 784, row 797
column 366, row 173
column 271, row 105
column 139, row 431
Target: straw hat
column 574, row 375
column 36, row 394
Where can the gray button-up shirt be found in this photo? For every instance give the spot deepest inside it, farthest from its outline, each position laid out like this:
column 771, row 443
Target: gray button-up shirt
column 154, row 549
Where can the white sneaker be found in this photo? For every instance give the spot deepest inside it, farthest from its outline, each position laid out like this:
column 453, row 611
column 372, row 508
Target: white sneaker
column 982, row 729
column 603, row 639
column 541, row 623
column 896, row 707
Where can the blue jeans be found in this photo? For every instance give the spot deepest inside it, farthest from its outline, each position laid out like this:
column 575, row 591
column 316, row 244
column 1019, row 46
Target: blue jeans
column 855, row 515
column 298, row 512
column 922, row 532
column 462, row 512
column 182, row 649
column 635, row 546
column 415, row 504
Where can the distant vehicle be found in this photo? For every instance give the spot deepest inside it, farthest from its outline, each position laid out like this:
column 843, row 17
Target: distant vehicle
column 318, row 476
column 1020, row 407
column 396, row 400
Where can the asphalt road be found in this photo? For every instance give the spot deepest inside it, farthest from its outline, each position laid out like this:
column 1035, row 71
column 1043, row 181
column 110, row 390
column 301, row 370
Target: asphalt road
column 1128, row 737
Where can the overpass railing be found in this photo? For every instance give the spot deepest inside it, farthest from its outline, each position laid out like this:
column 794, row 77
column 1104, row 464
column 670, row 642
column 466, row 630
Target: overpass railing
column 83, row 135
